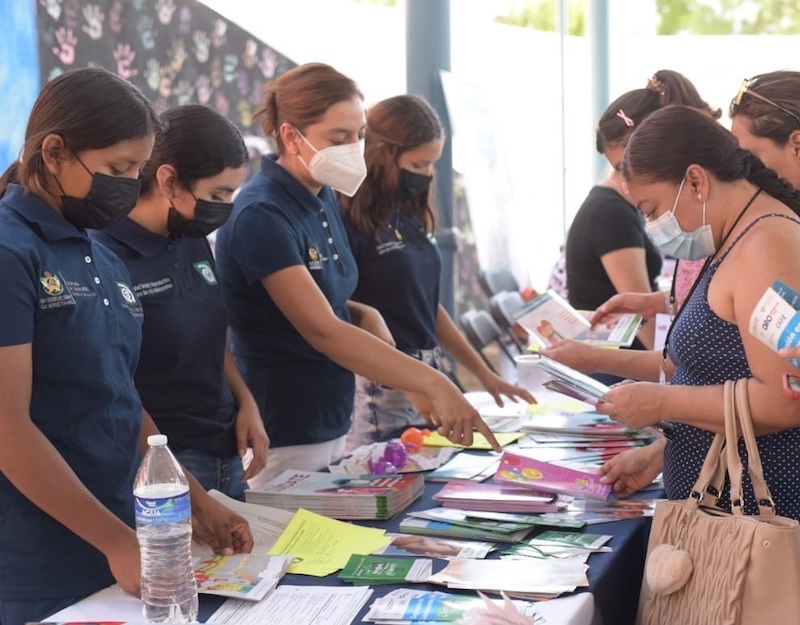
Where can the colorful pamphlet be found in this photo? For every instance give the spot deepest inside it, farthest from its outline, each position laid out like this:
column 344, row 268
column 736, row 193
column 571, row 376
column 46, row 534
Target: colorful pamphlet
column 497, row 498
column 340, row 496
column 591, row 425
column 549, row 319
column 241, row 576
column 409, row 605
column 544, row 476
column 776, row 318
column 373, row 570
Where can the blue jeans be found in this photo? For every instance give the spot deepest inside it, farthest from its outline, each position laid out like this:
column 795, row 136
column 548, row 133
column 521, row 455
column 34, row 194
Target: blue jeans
column 21, row 611
column 379, row 414
column 222, row 474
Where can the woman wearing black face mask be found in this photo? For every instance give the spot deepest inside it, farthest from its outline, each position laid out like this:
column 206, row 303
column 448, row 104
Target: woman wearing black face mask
column 186, row 378
column 390, row 226
column 72, row 427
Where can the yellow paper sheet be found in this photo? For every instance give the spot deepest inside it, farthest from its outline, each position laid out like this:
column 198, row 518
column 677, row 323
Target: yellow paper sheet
column 546, row 407
column 322, row 546
column 478, row 440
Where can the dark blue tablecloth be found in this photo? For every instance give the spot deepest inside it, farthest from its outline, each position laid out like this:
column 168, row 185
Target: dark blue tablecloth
column 614, row 577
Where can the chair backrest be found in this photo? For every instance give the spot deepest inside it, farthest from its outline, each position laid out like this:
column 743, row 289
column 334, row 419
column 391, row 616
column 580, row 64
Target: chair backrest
column 497, row 281
column 481, row 330
column 504, row 306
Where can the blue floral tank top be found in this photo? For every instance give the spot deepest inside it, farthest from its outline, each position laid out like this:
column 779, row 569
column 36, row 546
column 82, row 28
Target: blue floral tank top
column 707, row 350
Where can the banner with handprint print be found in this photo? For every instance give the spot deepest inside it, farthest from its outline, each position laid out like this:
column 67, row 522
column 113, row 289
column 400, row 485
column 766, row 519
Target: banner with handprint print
column 175, row 51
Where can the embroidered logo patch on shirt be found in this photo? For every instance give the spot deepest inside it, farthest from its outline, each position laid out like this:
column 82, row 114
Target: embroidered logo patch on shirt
column 51, row 284
column 203, row 267
column 127, row 293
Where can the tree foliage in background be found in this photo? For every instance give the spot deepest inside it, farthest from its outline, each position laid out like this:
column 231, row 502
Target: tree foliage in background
column 699, row 17
column 543, row 15
column 728, row 17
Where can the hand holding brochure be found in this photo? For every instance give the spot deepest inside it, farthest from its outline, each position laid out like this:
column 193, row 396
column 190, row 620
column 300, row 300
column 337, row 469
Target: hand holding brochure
column 549, row 318
column 775, row 320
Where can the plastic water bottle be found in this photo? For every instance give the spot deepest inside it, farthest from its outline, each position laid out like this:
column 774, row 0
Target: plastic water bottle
column 164, row 530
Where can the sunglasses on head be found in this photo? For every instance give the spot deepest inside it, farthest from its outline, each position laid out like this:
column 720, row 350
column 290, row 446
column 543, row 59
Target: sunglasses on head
column 745, row 88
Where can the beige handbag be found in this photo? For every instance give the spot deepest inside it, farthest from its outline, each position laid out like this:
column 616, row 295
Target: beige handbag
column 712, row 567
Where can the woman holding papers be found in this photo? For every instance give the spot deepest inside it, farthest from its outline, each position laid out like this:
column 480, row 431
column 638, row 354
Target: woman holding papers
column 705, row 196
column 607, row 249
column 769, row 128
column 390, row 224
column 288, row 276
column 186, row 378
column 72, row 426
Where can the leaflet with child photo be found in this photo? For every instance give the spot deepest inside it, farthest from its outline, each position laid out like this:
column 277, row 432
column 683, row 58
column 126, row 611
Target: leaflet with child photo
column 549, row 318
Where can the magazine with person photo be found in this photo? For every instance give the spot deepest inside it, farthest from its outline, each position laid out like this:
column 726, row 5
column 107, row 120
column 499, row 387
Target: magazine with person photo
column 549, row 319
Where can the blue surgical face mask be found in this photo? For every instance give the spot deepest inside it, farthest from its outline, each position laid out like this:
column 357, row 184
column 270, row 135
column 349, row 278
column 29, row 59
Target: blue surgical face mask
column 667, row 234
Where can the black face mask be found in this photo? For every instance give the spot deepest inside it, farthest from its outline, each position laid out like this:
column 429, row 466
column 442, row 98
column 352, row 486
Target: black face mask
column 208, row 216
column 412, row 184
column 110, row 198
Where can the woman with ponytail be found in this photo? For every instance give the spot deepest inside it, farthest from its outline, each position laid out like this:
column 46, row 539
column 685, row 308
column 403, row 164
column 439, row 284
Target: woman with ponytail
column 186, row 377
column 390, row 224
column 702, row 194
column 287, row 275
column 72, row 427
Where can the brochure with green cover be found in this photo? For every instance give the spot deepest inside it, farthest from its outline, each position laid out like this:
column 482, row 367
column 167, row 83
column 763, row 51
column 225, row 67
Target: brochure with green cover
column 371, row 570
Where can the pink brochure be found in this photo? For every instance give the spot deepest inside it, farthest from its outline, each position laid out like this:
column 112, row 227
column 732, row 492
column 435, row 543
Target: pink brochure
column 544, row 476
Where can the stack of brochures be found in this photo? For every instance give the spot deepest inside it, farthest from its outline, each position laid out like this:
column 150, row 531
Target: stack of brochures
column 563, row 545
column 466, row 466
column 568, row 381
column 497, row 498
column 477, row 530
column 532, row 579
column 411, row 606
column 340, row 497
column 549, row 319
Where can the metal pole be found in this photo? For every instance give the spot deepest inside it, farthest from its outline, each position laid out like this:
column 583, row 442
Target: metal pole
column 598, row 53
column 427, row 53
column 563, row 30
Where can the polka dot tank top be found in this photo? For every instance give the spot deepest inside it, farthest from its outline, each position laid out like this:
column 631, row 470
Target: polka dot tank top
column 707, row 350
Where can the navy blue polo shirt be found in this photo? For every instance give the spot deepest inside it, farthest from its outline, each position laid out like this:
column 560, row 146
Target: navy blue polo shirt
column 72, row 300
column 276, row 223
column 181, row 375
column 399, row 277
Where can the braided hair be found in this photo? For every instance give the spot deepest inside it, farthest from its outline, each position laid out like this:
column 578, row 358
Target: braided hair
column 671, row 139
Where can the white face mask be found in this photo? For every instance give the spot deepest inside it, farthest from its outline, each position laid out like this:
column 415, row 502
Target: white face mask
column 667, row 234
column 339, row 166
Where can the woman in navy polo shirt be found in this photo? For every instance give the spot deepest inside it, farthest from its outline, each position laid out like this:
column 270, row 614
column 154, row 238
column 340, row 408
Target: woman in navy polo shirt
column 71, row 422
column 390, row 225
column 287, row 276
column 190, row 387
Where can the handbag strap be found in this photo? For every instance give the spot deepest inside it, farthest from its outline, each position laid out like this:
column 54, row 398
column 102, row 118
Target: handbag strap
column 736, row 397
column 712, row 474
